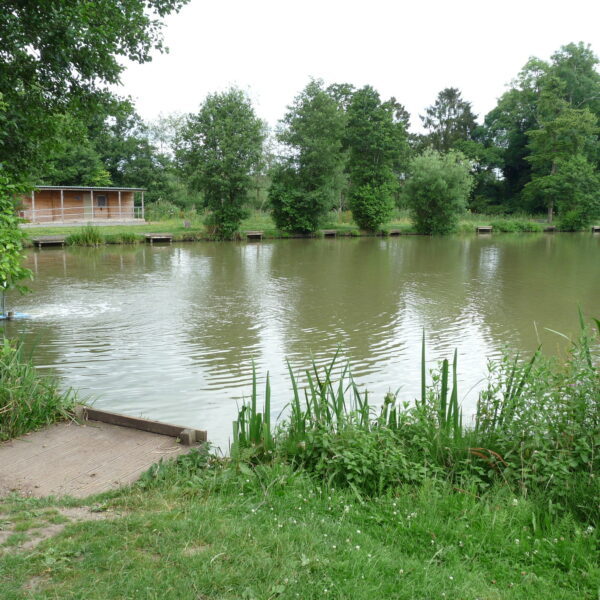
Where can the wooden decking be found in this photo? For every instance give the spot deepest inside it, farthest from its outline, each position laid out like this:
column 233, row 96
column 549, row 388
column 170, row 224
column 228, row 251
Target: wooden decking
column 550, row 229
column 329, row 232
column 88, row 457
column 159, row 237
column 49, row 240
column 394, row 232
column 254, row 235
column 595, row 228
column 484, row 229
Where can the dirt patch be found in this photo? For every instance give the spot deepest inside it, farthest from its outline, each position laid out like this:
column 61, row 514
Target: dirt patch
column 193, row 549
column 38, row 533
column 36, row 584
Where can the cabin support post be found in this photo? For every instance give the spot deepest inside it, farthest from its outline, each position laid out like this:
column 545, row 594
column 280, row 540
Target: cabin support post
column 33, row 206
column 120, row 210
column 92, row 202
column 142, row 205
column 62, row 205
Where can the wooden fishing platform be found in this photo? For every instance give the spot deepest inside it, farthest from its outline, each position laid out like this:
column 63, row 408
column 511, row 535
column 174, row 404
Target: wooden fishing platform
column 329, row 232
column 254, row 235
column 49, row 240
column 98, row 452
column 159, row 237
column 484, row 229
column 595, row 228
column 394, row 232
column 550, row 229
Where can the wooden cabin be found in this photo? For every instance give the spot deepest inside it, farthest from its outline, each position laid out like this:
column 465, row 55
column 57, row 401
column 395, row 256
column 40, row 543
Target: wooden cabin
column 66, row 204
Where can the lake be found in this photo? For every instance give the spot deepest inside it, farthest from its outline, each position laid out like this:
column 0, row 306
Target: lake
column 171, row 332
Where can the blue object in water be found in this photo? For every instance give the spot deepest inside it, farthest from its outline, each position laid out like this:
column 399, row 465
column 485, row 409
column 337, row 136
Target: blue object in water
column 15, row 315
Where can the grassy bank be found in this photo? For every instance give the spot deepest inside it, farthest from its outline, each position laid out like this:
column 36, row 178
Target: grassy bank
column 28, row 401
column 345, row 500
column 196, row 231
column 204, row 530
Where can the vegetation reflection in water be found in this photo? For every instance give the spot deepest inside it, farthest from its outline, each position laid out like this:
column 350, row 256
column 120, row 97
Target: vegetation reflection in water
column 171, row 332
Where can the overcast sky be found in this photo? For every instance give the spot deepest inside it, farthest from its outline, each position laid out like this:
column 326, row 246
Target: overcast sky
column 410, row 50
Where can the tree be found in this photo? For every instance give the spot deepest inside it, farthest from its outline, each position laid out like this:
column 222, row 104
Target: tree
column 570, row 134
column 307, row 183
column 376, row 140
column 11, row 242
column 61, row 57
column 448, row 120
column 437, row 190
column 222, row 146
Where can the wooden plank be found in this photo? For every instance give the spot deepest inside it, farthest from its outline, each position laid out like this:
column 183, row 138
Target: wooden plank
column 550, row 229
column 329, row 232
column 92, row 414
column 159, row 237
column 254, row 235
column 394, row 232
column 595, row 228
column 484, row 229
column 49, row 240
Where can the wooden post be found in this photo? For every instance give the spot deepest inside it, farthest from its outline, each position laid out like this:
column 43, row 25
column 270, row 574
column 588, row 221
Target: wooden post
column 142, row 205
column 33, row 206
column 92, row 202
column 120, row 209
column 62, row 204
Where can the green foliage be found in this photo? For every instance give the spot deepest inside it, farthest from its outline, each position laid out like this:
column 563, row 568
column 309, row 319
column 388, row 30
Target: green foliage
column 161, row 210
column 27, row 401
column 536, row 429
column 89, row 235
column 11, row 241
column 306, row 186
column 437, row 191
column 60, row 57
column 221, row 147
column 449, row 120
column 377, row 143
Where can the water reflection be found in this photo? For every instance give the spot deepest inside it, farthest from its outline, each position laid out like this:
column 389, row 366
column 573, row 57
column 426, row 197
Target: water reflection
column 171, row 332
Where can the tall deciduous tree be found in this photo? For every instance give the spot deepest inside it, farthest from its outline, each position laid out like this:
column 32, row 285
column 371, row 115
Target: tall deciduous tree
column 449, row 120
column 571, row 133
column 308, row 182
column 376, row 140
column 58, row 57
column 437, row 190
column 222, row 145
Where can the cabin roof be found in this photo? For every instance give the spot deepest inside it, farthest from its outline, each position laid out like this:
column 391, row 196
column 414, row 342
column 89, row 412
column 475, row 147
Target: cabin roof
column 86, row 188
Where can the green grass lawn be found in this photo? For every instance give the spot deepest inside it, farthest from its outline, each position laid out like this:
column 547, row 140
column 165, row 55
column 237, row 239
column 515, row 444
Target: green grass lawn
column 219, row 533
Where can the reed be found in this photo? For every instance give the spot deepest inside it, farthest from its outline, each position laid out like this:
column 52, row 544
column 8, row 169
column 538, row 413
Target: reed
column 27, row 400
column 87, row 236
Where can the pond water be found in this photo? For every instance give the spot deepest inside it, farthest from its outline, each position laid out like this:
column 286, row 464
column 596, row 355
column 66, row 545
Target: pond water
column 171, row 332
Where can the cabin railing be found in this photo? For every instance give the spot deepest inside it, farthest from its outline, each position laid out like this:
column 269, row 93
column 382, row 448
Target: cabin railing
column 80, row 213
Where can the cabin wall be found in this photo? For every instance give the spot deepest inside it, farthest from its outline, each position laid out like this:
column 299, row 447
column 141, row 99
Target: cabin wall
column 77, row 206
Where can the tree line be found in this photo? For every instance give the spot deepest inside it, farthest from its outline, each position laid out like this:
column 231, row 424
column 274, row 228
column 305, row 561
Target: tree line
column 336, row 147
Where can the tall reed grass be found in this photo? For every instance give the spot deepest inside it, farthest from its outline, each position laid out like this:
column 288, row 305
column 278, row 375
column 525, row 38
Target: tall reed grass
column 87, row 236
column 28, row 401
column 536, row 429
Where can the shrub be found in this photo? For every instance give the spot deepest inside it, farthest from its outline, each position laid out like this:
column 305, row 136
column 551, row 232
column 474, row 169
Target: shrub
column 162, row 210
column 437, row 191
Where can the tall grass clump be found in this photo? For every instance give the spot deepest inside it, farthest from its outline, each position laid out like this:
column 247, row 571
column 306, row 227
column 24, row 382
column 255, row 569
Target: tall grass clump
column 27, row 400
column 536, row 430
column 87, row 236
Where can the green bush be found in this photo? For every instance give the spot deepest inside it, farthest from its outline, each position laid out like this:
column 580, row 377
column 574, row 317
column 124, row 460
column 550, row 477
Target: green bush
column 437, row 191
column 162, row 210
